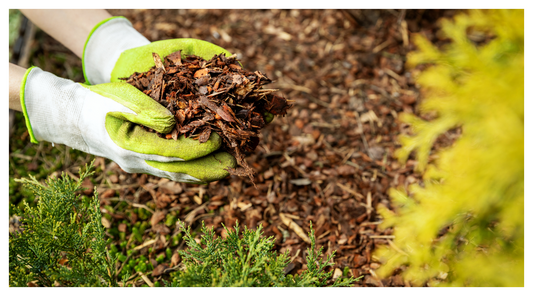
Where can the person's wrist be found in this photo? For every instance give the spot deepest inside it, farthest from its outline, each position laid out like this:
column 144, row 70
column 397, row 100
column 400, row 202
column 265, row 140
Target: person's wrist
column 104, row 46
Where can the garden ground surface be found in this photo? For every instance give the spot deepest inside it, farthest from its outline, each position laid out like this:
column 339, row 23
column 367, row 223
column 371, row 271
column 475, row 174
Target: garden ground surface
column 330, row 160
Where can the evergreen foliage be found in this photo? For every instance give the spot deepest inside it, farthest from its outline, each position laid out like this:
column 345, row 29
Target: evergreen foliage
column 464, row 226
column 246, row 260
column 62, row 241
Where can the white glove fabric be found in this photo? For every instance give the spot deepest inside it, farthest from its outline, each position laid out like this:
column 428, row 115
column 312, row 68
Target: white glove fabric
column 104, row 46
column 62, row 111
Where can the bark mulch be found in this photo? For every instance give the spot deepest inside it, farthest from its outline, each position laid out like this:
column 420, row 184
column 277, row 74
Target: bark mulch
column 215, row 95
column 330, row 159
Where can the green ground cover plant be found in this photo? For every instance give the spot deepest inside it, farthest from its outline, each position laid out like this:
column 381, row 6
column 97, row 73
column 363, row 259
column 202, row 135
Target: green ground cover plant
column 247, row 260
column 464, row 225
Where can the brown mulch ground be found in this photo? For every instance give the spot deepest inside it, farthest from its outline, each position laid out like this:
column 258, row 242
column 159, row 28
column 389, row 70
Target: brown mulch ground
column 330, row 159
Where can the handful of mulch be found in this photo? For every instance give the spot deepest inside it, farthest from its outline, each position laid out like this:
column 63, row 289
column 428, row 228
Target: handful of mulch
column 216, row 95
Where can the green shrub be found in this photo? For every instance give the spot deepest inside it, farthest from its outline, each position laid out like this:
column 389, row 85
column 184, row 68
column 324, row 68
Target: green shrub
column 464, row 226
column 246, row 260
column 62, row 241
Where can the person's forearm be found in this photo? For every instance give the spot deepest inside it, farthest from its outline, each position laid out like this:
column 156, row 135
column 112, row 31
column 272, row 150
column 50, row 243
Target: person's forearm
column 16, row 73
column 71, row 27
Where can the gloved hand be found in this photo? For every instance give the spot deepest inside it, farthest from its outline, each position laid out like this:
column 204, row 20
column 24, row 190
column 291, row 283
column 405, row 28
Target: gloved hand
column 100, row 120
column 114, row 50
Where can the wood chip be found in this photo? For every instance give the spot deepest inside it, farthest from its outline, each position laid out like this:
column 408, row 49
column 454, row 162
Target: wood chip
column 145, row 244
column 146, row 279
column 294, row 227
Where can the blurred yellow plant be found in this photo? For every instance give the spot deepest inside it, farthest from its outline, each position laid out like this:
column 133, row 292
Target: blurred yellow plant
column 474, row 191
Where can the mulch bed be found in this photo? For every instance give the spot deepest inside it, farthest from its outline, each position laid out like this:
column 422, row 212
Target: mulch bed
column 330, row 159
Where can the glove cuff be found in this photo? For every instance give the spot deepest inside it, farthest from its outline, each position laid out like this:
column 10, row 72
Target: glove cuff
column 23, row 104
column 103, row 47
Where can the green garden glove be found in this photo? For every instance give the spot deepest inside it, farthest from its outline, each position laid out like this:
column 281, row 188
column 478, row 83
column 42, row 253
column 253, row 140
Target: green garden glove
column 102, row 120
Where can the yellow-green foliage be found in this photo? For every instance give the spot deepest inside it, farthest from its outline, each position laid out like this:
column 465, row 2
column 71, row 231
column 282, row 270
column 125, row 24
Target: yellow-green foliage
column 475, row 187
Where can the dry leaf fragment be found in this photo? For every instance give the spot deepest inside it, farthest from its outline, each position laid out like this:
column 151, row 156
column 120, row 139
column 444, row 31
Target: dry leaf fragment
column 158, row 216
column 370, row 116
column 278, row 105
column 301, row 182
column 200, row 73
column 204, row 136
column 122, row 227
column 175, row 259
column 175, row 134
column 160, row 228
column 175, row 57
column 157, row 61
column 224, row 115
column 180, row 115
column 89, row 187
column 297, row 229
column 337, row 273
column 159, row 270
column 106, row 222
column 243, row 206
column 197, row 199
column 241, row 91
column 108, row 193
column 145, row 244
